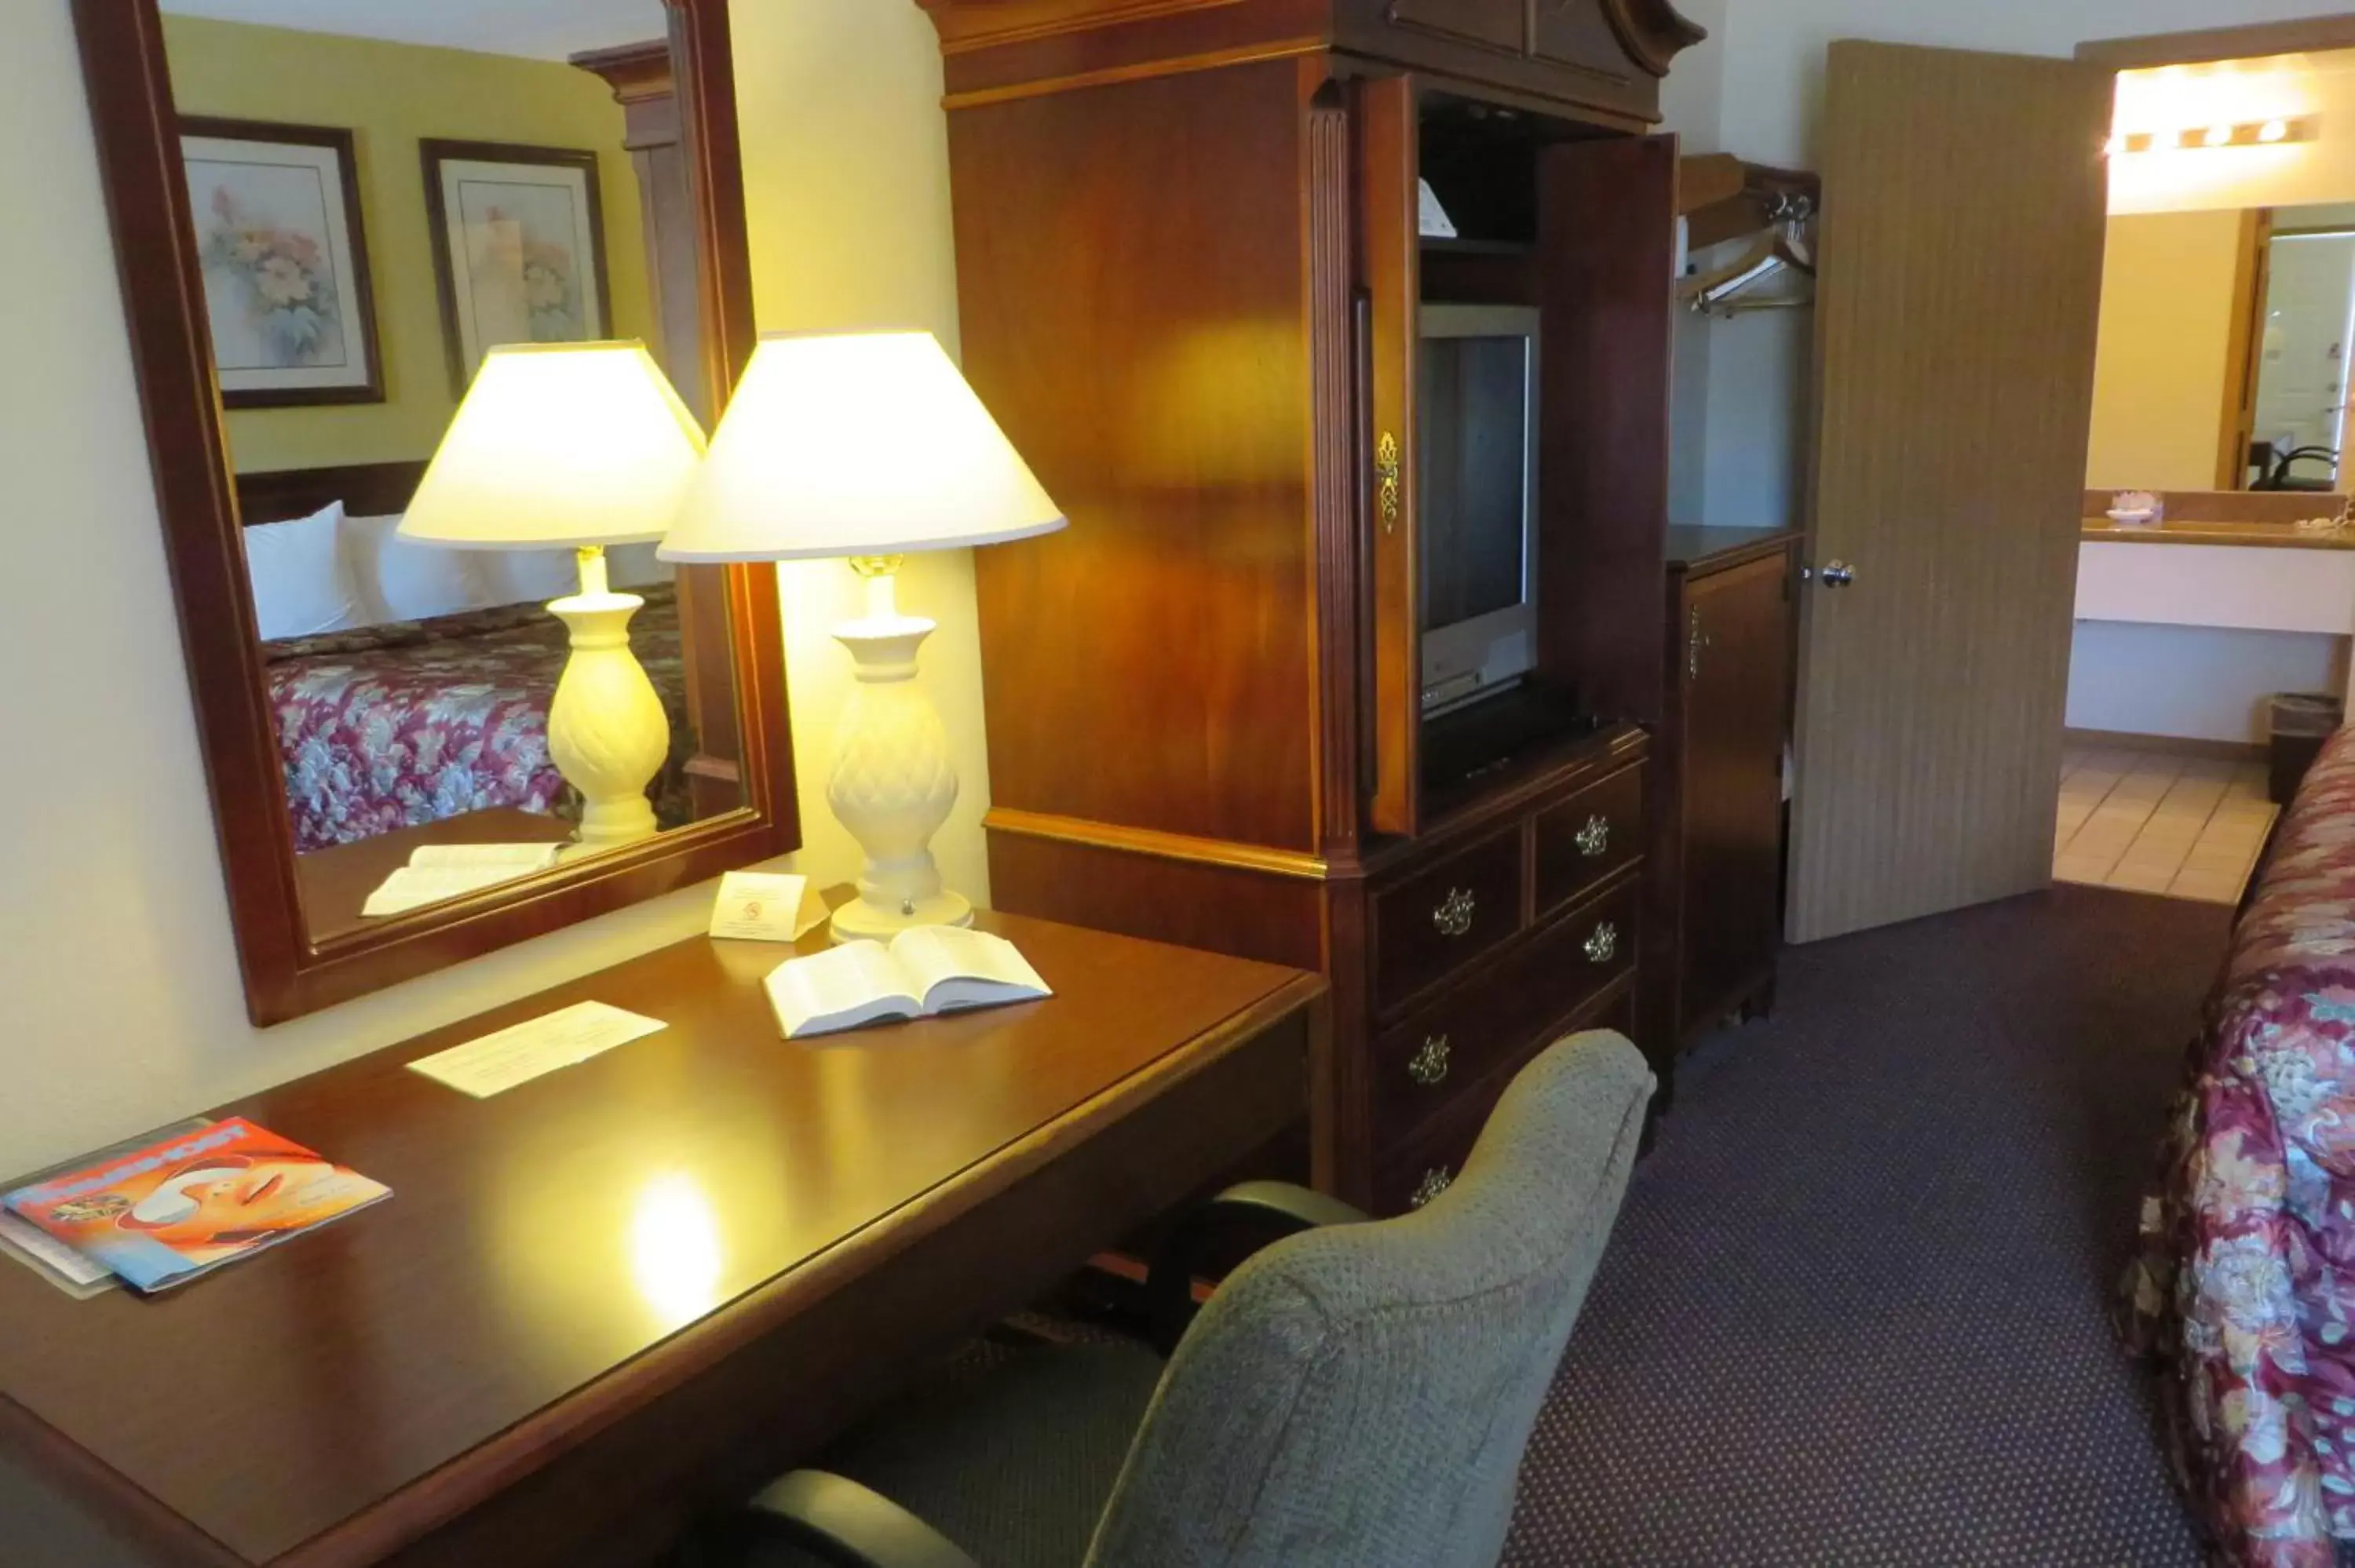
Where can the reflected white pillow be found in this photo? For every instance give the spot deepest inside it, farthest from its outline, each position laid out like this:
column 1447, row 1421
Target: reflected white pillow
column 529, row 576
column 401, row 580
column 302, row 584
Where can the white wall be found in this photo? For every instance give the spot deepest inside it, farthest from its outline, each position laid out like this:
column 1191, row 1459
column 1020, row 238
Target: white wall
column 1770, row 108
column 2202, row 683
column 115, row 957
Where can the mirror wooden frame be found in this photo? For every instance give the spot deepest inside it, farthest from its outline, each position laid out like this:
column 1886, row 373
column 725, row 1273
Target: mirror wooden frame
column 287, row 973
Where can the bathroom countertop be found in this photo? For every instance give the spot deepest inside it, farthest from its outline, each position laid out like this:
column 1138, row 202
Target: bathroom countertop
column 2271, row 535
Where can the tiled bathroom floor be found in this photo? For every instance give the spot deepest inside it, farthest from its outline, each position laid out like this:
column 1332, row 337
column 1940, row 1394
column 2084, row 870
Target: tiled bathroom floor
column 2148, row 821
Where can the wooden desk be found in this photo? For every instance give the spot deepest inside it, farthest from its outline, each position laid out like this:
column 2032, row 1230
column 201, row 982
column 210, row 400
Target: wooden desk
column 641, row 1286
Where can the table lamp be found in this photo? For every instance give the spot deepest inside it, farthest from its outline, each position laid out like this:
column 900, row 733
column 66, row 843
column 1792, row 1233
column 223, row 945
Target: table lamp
column 581, row 445
column 866, row 445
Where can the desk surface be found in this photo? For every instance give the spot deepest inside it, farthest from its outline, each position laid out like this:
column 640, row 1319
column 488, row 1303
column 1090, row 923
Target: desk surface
column 604, row 1224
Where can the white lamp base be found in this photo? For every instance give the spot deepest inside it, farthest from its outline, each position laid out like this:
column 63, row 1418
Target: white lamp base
column 893, row 782
column 606, row 729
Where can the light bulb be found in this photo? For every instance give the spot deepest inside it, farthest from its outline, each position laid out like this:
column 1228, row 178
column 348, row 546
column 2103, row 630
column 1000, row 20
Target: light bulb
column 2274, row 131
column 2166, row 141
column 2116, row 145
column 2219, row 136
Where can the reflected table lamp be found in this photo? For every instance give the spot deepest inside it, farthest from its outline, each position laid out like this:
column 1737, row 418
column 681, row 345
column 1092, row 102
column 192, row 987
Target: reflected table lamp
column 576, row 445
column 869, row 446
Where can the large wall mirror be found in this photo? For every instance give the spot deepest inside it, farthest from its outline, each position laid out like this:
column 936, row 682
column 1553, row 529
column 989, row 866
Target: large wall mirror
column 2224, row 351
column 327, row 212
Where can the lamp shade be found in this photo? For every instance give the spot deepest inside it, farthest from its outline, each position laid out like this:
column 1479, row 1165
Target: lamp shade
column 858, row 444
column 573, row 443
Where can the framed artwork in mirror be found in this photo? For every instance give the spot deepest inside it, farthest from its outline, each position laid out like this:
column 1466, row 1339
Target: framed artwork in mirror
column 519, row 247
column 375, row 708
column 285, row 262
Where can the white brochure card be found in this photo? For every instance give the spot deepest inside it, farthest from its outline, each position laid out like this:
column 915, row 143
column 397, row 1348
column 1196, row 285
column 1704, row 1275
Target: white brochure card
column 522, row 1052
column 766, row 906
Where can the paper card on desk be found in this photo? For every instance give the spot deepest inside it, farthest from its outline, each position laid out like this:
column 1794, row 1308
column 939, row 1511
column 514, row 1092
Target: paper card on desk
column 766, row 906
column 522, row 1052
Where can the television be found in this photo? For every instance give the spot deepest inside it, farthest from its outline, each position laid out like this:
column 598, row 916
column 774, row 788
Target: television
column 1477, row 462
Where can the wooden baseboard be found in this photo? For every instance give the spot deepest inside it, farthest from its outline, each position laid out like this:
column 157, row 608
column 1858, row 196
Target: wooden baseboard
column 2181, row 746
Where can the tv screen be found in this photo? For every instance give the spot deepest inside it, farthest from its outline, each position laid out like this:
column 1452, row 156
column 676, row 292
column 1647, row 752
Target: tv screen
column 1477, row 494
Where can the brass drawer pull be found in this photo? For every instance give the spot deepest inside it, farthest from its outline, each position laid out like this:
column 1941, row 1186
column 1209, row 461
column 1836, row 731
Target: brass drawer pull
column 1435, row 1180
column 1595, row 839
column 1429, row 1065
column 1602, row 946
column 1454, row 916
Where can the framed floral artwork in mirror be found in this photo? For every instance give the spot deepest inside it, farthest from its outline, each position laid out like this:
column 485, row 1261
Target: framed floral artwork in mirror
column 519, row 247
column 285, row 262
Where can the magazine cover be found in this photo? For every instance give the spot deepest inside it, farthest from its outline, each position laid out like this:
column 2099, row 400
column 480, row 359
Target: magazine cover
column 168, row 1212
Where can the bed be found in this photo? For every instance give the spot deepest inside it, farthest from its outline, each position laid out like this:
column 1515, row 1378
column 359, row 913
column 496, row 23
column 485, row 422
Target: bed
column 2245, row 1285
column 394, row 726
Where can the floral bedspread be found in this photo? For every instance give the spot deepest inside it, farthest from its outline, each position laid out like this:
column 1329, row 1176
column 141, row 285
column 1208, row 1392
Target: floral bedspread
column 396, row 725
column 2245, row 1281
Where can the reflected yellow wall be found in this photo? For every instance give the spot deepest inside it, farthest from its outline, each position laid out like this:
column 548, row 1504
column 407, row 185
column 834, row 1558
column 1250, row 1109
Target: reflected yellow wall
column 2167, row 332
column 391, row 96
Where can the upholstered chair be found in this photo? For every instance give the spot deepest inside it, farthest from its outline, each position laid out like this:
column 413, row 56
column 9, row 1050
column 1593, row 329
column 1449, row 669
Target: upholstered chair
column 1355, row 1395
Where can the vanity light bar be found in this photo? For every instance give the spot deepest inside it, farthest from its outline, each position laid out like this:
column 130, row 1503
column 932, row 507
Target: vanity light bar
column 2248, row 133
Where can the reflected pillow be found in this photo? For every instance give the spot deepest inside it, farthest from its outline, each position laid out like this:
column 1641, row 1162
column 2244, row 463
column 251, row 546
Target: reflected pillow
column 401, row 580
column 302, row 584
column 529, row 576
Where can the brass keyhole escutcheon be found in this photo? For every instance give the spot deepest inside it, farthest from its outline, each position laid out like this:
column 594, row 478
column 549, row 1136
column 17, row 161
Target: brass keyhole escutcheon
column 1386, row 473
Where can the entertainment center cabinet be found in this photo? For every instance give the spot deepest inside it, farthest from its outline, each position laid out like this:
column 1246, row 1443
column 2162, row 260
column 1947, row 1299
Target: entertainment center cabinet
column 1191, row 270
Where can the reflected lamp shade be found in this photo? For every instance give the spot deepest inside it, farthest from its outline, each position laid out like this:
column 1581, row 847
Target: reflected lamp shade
column 558, row 444
column 862, row 444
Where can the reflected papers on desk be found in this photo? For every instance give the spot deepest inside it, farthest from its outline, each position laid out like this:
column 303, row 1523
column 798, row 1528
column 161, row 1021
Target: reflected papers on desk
column 437, row 872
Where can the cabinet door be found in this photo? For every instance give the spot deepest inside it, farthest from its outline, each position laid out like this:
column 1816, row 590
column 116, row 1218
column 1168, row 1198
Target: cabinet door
column 1737, row 682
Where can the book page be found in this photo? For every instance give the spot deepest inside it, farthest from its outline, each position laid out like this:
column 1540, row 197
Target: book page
column 841, row 988
column 952, row 966
column 514, row 857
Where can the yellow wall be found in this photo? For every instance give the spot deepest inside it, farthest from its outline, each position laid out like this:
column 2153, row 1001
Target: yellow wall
column 2167, row 329
column 391, row 96
column 115, row 956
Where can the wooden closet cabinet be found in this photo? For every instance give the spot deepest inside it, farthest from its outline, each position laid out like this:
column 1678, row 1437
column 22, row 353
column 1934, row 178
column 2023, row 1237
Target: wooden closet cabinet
column 1733, row 637
column 1191, row 277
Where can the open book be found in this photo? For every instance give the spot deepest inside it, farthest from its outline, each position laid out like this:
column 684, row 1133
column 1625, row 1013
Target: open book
column 927, row 970
column 436, row 871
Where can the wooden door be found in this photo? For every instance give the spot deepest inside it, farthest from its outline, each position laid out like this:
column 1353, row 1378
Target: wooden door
column 1960, row 286
column 1737, row 690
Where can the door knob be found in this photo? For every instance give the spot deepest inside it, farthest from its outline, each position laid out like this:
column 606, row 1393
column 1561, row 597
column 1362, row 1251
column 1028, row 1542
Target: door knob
column 1837, row 573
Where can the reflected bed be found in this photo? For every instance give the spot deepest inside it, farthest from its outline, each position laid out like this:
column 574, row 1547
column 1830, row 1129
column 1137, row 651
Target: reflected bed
column 415, row 721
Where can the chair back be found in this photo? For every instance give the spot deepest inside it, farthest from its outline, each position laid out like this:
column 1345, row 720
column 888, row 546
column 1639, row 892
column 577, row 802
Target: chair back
column 1359, row 1396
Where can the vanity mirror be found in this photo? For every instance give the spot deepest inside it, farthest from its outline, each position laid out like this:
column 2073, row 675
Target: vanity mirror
column 327, row 214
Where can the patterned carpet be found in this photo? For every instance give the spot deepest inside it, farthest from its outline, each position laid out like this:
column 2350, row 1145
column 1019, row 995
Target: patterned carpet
column 1855, row 1310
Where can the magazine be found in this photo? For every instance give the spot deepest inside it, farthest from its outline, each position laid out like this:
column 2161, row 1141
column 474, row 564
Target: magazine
column 26, row 1243
column 164, row 1214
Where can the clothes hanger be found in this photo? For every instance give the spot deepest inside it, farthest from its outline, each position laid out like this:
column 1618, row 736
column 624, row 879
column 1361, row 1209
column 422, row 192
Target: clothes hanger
column 1782, row 247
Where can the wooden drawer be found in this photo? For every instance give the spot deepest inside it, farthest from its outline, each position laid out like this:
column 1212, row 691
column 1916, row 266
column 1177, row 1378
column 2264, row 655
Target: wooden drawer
column 1422, row 1167
column 1469, row 1031
column 1433, row 924
column 1500, row 23
column 1589, row 838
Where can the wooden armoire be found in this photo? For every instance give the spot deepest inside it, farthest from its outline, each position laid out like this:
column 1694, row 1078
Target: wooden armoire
column 1192, row 272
